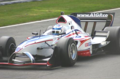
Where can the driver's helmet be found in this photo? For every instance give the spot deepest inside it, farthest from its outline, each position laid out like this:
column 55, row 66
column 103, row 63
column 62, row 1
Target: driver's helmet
column 57, row 29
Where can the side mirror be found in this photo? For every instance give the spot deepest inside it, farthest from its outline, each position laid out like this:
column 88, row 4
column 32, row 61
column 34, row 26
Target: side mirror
column 35, row 33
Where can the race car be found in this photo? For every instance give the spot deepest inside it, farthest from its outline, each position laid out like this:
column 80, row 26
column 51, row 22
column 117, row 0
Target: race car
column 62, row 43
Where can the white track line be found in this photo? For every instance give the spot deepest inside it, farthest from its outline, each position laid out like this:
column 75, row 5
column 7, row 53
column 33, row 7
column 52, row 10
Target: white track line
column 108, row 10
column 48, row 20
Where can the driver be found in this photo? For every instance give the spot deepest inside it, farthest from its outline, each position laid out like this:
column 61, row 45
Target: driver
column 58, row 29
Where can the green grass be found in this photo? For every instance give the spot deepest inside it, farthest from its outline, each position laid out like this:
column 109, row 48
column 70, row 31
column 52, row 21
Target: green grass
column 32, row 11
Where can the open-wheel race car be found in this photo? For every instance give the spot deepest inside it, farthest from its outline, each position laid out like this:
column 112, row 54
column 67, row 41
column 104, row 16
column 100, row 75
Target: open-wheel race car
column 61, row 44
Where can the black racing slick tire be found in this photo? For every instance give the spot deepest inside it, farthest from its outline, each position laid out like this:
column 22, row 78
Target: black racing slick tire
column 68, row 51
column 8, row 45
column 114, row 38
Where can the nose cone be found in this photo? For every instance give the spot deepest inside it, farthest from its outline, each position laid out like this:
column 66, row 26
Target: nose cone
column 33, row 41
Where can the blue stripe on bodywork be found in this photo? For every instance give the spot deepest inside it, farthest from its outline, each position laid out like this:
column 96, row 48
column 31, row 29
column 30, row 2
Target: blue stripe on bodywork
column 75, row 19
column 56, row 28
column 37, row 38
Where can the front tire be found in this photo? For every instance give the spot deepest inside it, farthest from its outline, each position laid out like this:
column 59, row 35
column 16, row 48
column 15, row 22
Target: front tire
column 68, row 51
column 7, row 45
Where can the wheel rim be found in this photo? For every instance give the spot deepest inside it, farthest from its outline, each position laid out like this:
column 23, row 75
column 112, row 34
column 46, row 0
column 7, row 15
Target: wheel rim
column 72, row 51
column 11, row 49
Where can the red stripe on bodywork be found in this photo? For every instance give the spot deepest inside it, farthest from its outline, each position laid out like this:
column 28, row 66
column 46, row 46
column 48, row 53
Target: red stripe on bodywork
column 83, row 40
column 38, row 42
column 28, row 64
column 73, row 34
column 84, row 53
column 49, row 64
column 34, row 43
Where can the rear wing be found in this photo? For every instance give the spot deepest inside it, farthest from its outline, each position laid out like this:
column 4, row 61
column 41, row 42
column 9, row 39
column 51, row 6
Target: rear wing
column 95, row 17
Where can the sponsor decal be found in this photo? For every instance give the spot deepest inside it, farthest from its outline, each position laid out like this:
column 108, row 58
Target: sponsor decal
column 87, row 44
column 77, row 36
column 92, row 15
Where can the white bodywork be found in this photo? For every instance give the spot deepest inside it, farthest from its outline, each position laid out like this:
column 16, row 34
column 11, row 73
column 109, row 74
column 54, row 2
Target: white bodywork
column 37, row 45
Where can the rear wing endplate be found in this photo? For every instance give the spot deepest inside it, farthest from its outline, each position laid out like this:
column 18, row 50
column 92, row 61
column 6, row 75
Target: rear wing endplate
column 95, row 17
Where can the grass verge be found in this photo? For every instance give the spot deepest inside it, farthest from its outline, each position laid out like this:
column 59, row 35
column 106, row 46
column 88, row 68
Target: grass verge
column 32, row 11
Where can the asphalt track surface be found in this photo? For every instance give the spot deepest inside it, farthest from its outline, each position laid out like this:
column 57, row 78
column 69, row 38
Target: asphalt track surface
column 104, row 66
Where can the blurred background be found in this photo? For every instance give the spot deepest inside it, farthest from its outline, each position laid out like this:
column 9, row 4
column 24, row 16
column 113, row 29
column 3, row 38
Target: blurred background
column 4, row 2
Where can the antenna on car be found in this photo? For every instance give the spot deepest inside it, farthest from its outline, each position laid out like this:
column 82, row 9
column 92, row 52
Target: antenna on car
column 40, row 33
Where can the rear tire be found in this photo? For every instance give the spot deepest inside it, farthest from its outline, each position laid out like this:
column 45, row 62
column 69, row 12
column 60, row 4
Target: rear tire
column 114, row 38
column 8, row 45
column 68, row 51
